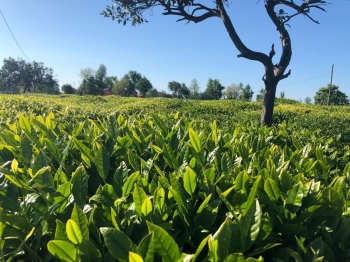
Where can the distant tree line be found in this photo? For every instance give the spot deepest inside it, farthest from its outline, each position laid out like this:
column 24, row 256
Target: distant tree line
column 135, row 84
column 19, row 76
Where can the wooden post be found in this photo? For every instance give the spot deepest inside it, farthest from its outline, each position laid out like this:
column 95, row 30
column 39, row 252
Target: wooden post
column 329, row 88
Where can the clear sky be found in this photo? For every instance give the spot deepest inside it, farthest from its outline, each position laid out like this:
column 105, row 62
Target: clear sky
column 69, row 35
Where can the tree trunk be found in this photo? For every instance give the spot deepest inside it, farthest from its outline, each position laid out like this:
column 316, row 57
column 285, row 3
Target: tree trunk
column 269, row 103
column 25, row 89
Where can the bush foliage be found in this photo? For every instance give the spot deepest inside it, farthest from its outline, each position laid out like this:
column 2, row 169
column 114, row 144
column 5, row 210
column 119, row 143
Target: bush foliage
column 116, row 179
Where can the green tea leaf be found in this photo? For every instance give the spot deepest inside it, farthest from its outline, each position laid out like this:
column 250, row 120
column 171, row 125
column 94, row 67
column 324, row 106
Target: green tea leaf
column 204, row 203
column 64, row 250
column 210, row 174
column 26, row 149
column 271, row 189
column 314, row 251
column 73, row 232
column 146, row 248
column 160, row 124
column 157, row 149
column 133, row 160
column 201, row 246
column 190, row 181
column 124, row 142
column 159, row 199
column 346, row 170
column 60, row 232
column 133, row 257
column 241, row 181
column 147, row 207
column 24, row 123
column 195, row 141
column 179, row 200
column 118, row 243
column 139, row 197
column 164, row 244
column 120, row 120
column 102, row 162
column 295, row 195
column 340, row 184
column 39, row 162
column 120, row 176
column 252, row 194
column 88, row 252
column 53, row 150
column 84, row 150
column 80, row 181
column 13, row 178
column 100, row 127
column 130, row 182
column 250, row 225
column 286, row 182
column 169, row 156
column 214, row 133
column 213, row 250
column 80, row 219
column 223, row 235
column 236, row 257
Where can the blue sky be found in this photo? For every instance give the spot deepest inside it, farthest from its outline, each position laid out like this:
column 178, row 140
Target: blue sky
column 70, row 35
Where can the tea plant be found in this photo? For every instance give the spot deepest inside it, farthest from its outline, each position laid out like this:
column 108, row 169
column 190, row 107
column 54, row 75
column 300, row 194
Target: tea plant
column 156, row 187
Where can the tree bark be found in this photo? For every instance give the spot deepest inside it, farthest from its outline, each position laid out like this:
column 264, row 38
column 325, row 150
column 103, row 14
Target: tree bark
column 269, row 103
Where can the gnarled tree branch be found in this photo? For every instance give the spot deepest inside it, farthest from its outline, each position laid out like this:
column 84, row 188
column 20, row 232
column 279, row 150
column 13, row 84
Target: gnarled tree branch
column 244, row 51
column 190, row 17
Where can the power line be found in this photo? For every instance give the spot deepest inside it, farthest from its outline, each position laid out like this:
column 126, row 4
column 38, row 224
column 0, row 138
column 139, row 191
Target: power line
column 304, row 80
column 342, row 74
column 14, row 36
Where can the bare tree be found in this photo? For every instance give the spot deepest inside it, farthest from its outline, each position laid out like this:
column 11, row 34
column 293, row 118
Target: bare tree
column 192, row 11
column 233, row 91
column 86, row 73
column 194, row 89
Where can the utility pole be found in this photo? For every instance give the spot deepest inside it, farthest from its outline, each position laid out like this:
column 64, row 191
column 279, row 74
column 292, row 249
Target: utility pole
column 329, row 88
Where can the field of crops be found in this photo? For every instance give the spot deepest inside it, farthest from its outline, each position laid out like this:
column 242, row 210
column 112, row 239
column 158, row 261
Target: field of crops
column 127, row 179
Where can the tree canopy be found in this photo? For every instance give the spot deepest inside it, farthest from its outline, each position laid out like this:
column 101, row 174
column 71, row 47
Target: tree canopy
column 179, row 90
column 247, row 93
column 101, row 73
column 197, row 11
column 124, row 87
column 336, row 97
column 101, row 79
column 307, row 100
column 143, row 86
column 85, row 73
column 19, row 74
column 131, row 82
column 214, row 89
column 67, row 89
column 90, row 86
column 174, row 87
column 260, row 95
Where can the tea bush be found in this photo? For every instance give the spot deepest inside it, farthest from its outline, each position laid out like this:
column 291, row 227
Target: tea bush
column 115, row 179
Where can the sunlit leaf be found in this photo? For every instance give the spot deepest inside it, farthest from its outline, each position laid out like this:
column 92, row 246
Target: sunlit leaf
column 64, row 250
column 164, row 244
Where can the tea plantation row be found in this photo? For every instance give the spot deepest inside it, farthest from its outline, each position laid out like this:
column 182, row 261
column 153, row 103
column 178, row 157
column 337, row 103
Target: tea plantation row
column 123, row 179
